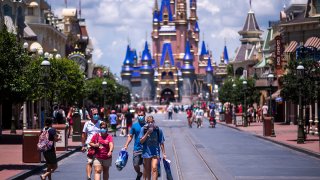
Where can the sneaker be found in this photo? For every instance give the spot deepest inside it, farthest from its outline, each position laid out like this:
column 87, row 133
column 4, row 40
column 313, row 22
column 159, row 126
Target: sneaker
column 139, row 175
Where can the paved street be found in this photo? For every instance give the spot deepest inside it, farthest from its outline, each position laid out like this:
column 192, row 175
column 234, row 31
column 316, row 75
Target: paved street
column 205, row 153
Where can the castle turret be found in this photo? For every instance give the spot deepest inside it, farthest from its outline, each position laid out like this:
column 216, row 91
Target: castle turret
column 225, row 55
column 188, row 76
column 127, row 69
column 146, row 74
column 209, row 73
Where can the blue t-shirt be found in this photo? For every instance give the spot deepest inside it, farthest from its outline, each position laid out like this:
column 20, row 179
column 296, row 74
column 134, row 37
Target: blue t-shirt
column 135, row 131
column 113, row 118
column 151, row 147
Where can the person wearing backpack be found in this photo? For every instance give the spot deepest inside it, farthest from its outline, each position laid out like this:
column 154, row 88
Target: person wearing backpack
column 48, row 137
column 152, row 140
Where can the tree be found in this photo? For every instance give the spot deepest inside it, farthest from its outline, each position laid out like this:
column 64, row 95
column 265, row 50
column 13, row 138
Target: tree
column 14, row 62
column 292, row 83
column 66, row 82
column 228, row 93
column 115, row 93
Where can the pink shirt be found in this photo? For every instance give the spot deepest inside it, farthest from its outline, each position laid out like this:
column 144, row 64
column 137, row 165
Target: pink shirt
column 102, row 152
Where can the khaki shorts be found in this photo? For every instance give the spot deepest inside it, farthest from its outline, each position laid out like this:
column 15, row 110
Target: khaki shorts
column 102, row 162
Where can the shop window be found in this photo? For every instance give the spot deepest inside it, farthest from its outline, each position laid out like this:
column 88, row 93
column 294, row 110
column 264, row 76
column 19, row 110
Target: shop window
column 317, row 6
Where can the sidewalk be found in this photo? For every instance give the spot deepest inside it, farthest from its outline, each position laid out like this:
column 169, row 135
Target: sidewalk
column 286, row 135
column 11, row 165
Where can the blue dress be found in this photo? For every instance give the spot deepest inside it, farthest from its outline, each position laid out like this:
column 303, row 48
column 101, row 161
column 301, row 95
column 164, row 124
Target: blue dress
column 151, row 147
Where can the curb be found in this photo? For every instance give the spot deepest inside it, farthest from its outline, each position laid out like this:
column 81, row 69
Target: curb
column 302, row 150
column 28, row 173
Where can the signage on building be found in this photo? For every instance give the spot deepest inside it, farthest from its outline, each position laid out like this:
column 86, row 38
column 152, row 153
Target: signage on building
column 278, row 52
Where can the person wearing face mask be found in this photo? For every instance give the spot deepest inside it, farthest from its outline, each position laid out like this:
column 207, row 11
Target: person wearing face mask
column 90, row 128
column 103, row 155
column 137, row 149
column 152, row 140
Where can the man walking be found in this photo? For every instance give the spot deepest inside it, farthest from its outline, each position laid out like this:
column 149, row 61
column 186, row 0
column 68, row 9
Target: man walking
column 137, row 149
column 89, row 129
column 170, row 111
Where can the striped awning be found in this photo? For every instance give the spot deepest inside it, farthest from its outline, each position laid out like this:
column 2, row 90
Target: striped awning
column 313, row 42
column 292, row 47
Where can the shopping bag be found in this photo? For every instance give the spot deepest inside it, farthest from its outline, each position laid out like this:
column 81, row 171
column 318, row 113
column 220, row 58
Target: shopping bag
column 122, row 160
column 166, row 164
column 159, row 167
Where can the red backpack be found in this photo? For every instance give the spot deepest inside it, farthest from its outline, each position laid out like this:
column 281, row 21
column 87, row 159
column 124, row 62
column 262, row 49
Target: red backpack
column 44, row 144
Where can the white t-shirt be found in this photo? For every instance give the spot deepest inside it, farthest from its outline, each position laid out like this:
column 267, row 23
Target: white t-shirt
column 91, row 129
column 199, row 113
column 265, row 109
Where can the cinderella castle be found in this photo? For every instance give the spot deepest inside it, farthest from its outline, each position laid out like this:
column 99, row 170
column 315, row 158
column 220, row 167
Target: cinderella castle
column 176, row 69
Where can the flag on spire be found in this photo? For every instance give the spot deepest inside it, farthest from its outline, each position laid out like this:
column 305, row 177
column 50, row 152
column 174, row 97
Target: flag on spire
column 250, row 4
column 80, row 8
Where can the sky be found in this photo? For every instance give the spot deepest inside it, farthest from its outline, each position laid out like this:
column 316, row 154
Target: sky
column 112, row 24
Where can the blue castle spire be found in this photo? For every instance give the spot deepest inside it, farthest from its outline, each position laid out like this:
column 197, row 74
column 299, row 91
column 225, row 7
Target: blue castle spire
column 165, row 4
column 225, row 55
column 209, row 66
column 128, row 59
column 188, row 55
column 196, row 27
column 188, row 58
column 203, row 49
column 146, row 56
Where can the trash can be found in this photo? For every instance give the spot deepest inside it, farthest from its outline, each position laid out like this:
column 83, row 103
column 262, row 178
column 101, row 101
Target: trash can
column 267, row 126
column 239, row 120
column 61, row 145
column 228, row 118
column 222, row 118
column 30, row 153
column 76, row 135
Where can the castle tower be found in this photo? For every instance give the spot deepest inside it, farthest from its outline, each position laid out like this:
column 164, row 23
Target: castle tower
column 188, row 75
column 146, row 74
column 194, row 31
column 181, row 26
column 127, row 69
column 155, row 31
column 209, row 76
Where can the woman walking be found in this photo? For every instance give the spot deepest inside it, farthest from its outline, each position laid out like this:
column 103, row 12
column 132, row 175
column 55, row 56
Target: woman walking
column 70, row 120
column 50, row 154
column 103, row 157
column 152, row 139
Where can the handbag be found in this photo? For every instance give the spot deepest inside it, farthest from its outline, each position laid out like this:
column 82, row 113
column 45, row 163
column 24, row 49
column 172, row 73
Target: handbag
column 92, row 150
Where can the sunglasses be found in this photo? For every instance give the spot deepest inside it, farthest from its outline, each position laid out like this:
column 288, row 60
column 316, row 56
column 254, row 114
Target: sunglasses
column 96, row 114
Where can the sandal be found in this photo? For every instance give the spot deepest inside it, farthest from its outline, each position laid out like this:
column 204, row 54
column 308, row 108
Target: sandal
column 42, row 178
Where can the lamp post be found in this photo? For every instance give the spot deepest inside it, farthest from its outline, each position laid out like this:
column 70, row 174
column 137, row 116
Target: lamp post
column 245, row 83
column 301, row 135
column 45, row 66
column 270, row 78
column 104, row 88
column 234, row 103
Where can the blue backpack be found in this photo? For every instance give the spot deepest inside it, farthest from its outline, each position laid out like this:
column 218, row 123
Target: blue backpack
column 122, row 160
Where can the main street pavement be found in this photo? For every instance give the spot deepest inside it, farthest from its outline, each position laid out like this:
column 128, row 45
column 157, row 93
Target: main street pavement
column 209, row 153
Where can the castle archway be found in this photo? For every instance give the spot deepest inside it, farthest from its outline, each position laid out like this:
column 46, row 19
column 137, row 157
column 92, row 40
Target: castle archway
column 167, row 95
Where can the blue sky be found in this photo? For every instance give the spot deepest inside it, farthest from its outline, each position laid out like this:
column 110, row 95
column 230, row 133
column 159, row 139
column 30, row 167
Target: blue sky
column 111, row 23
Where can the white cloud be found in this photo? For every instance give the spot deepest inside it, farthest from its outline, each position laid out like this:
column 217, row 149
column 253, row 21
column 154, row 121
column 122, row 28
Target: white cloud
column 112, row 22
column 209, row 6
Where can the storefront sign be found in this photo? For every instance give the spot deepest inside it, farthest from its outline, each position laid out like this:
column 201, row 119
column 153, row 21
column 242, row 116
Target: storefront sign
column 278, row 52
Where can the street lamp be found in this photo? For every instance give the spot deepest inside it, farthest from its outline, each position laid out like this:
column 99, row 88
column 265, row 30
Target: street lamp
column 45, row 66
column 245, row 83
column 234, row 103
column 301, row 135
column 270, row 78
column 104, row 88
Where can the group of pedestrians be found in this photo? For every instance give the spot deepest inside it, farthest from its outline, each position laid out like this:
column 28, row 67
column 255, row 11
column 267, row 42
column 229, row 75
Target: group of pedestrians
column 148, row 141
